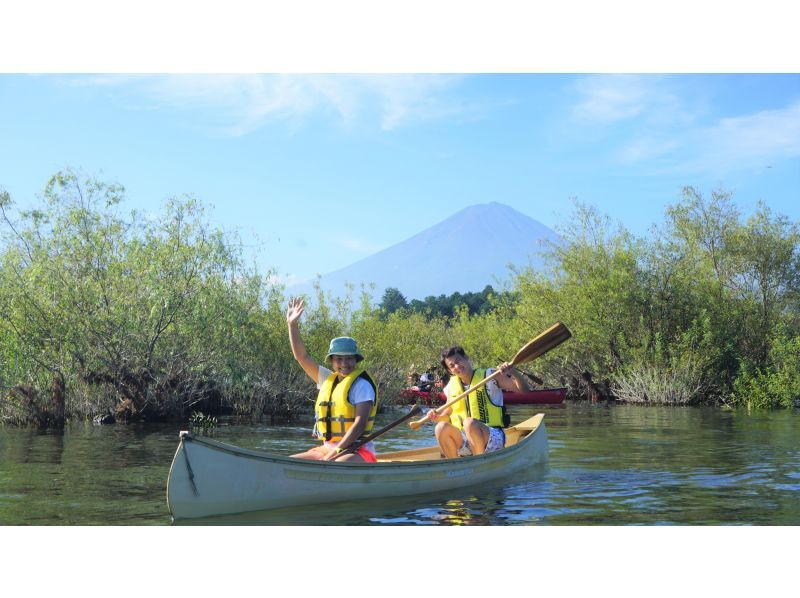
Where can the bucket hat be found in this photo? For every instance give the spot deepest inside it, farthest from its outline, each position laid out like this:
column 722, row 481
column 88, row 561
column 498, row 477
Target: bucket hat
column 343, row 345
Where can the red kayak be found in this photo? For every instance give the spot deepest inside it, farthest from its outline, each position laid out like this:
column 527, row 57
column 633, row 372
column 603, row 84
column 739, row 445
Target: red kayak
column 544, row 396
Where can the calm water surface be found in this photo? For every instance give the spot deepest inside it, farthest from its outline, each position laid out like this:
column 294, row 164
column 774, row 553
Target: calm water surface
column 610, row 465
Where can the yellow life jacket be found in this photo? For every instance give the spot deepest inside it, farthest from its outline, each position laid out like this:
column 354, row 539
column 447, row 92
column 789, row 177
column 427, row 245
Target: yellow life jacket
column 333, row 413
column 477, row 404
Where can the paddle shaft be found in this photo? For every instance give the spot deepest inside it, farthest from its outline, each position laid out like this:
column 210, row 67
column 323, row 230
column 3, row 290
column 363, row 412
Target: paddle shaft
column 359, row 443
column 416, row 424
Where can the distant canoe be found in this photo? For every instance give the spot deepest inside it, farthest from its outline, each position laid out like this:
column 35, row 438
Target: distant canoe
column 544, row 396
column 208, row 477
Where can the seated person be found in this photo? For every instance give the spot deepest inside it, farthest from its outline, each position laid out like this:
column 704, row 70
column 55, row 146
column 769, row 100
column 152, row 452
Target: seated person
column 474, row 425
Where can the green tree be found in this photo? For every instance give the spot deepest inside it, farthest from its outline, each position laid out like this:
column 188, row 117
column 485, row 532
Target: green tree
column 393, row 300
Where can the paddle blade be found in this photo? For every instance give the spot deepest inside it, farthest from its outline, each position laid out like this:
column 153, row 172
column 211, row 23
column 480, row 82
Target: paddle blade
column 549, row 339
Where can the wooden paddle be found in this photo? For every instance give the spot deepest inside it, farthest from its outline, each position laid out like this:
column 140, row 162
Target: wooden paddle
column 549, row 339
column 359, row 443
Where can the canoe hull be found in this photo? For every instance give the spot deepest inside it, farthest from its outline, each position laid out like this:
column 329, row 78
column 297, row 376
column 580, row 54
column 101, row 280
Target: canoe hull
column 212, row 478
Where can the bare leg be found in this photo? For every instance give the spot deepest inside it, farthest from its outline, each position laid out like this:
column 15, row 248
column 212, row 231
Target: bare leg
column 477, row 435
column 317, row 453
column 449, row 439
column 352, row 457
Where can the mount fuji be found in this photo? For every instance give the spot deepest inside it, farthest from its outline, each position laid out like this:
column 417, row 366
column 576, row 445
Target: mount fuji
column 465, row 252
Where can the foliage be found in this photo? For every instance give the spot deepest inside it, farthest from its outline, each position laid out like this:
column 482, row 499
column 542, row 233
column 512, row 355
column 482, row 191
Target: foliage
column 398, row 345
column 778, row 384
column 449, row 305
column 701, row 299
column 393, row 300
column 137, row 315
column 200, row 420
column 157, row 316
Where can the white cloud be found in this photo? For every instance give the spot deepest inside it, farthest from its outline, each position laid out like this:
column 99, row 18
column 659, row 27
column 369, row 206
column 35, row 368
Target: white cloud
column 247, row 102
column 760, row 136
column 611, row 98
column 744, row 143
column 406, row 98
column 657, row 125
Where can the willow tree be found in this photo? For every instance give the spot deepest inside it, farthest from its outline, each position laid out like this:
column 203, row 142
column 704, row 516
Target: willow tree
column 130, row 311
column 746, row 274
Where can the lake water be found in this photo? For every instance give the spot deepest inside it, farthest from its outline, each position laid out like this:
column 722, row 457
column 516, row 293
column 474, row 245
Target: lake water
column 609, row 465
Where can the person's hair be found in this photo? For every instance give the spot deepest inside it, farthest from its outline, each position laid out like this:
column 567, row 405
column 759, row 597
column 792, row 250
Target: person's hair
column 450, row 353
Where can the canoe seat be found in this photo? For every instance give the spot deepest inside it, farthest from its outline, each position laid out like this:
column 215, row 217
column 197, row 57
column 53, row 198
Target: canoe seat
column 516, row 433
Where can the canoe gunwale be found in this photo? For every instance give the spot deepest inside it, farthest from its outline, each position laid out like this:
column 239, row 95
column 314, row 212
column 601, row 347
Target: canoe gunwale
column 231, row 449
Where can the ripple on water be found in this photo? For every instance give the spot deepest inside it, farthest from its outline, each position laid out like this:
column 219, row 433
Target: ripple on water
column 716, row 480
column 611, row 466
column 789, row 487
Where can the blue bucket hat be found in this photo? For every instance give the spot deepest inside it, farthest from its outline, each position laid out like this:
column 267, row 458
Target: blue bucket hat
column 343, row 345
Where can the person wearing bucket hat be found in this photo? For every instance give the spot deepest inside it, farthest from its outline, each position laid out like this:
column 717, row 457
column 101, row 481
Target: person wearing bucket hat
column 347, row 399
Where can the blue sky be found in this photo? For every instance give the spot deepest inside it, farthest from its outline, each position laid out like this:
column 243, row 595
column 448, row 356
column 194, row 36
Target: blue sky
column 318, row 171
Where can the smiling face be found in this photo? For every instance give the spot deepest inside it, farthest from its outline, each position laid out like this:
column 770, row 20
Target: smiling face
column 343, row 365
column 460, row 366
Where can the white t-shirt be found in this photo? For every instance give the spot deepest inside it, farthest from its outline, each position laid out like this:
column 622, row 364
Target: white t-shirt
column 495, row 392
column 360, row 392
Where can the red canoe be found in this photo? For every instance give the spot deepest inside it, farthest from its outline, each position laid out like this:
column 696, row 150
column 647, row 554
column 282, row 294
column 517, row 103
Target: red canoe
column 544, row 396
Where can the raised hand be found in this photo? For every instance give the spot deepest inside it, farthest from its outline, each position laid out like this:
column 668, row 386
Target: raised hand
column 294, row 311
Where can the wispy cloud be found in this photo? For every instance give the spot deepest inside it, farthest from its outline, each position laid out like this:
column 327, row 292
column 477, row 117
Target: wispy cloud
column 749, row 142
column 652, row 122
column 757, row 137
column 607, row 99
column 248, row 102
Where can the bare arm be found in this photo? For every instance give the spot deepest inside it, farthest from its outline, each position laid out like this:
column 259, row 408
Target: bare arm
column 293, row 313
column 443, row 417
column 511, row 379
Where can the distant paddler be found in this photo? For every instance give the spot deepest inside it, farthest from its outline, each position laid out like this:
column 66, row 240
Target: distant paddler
column 348, row 396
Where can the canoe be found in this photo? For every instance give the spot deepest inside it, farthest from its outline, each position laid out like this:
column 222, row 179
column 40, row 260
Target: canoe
column 543, row 396
column 208, row 477
column 410, row 396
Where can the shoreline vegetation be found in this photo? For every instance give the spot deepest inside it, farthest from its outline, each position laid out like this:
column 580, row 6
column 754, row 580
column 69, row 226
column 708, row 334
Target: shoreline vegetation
column 123, row 316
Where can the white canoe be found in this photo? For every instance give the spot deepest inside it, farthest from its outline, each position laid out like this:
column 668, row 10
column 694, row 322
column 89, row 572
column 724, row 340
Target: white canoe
column 208, row 477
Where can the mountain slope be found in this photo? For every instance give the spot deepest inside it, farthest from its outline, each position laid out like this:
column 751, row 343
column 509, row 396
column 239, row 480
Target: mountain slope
column 463, row 253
